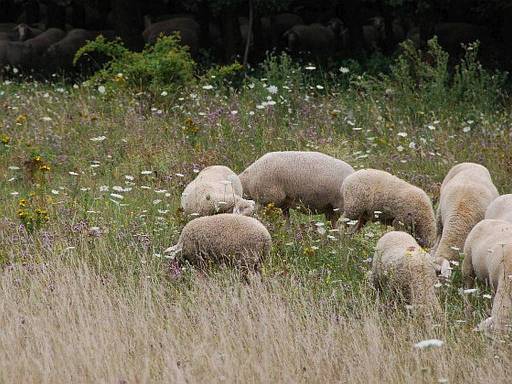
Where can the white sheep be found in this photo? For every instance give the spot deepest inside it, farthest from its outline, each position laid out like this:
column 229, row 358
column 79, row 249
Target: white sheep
column 293, row 179
column 500, row 208
column 225, row 238
column 466, row 192
column 216, row 189
column 488, row 257
column 402, row 265
column 373, row 194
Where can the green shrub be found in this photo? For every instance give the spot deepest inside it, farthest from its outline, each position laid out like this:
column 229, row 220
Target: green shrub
column 420, row 82
column 164, row 66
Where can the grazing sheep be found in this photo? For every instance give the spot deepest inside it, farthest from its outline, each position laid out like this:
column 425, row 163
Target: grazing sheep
column 401, row 264
column 488, row 257
column 292, row 179
column 26, row 32
column 370, row 193
column 315, row 38
column 189, row 31
column 500, row 208
column 216, row 189
column 226, row 238
column 61, row 53
column 466, row 192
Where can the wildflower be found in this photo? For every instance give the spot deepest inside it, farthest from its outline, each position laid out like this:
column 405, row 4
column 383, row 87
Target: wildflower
column 117, row 196
column 5, row 139
column 99, row 138
column 73, row 173
column 46, row 118
column 156, row 201
column 146, row 172
column 310, row 68
column 466, row 129
column 45, row 168
column 55, row 192
column 412, row 145
column 272, row 89
column 102, row 89
column 21, row 119
column 23, row 203
column 104, row 188
column 344, row 70
column 430, row 343
column 399, row 148
column 207, row 87
column 319, row 87
column 164, row 93
column 402, row 134
column 128, row 177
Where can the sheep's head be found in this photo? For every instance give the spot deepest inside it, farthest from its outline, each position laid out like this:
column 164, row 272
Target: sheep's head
column 442, row 267
column 174, row 250
column 336, row 25
column 24, row 32
column 244, row 207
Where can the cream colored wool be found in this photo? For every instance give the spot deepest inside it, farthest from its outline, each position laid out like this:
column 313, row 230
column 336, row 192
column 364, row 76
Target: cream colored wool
column 500, row 208
column 225, row 238
column 488, row 257
column 401, row 264
column 216, row 189
column 370, row 192
column 291, row 179
column 466, row 192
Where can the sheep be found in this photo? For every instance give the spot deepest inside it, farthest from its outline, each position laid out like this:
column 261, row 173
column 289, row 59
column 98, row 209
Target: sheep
column 316, row 38
column 466, row 192
column 226, row 238
column 292, row 179
column 401, row 264
column 488, row 257
column 500, row 208
column 216, row 189
column 370, row 192
column 188, row 28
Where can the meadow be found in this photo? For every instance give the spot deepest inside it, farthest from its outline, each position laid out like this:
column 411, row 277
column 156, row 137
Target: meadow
column 90, row 194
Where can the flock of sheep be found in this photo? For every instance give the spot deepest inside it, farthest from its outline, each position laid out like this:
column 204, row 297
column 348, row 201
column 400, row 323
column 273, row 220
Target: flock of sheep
column 471, row 217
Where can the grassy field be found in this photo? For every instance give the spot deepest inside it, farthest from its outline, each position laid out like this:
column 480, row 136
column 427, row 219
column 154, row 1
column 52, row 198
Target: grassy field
column 91, row 182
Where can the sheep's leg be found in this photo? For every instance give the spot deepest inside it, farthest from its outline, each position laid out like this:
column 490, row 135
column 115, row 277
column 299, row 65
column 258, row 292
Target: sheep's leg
column 468, row 273
column 333, row 217
column 361, row 222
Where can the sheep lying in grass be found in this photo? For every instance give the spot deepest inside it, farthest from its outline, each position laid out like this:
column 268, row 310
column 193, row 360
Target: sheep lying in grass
column 466, row 192
column 216, row 189
column 500, row 208
column 226, row 238
column 293, row 179
column 369, row 192
column 488, row 257
column 402, row 265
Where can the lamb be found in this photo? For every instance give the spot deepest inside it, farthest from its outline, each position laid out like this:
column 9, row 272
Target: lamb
column 488, row 257
column 500, row 208
column 292, row 179
column 401, row 264
column 466, row 192
column 370, row 193
column 226, row 238
column 216, row 189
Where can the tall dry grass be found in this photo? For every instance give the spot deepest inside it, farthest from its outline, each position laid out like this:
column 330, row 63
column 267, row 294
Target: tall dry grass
column 63, row 323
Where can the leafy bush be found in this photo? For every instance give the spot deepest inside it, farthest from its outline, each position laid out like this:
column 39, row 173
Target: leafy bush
column 164, row 66
column 422, row 81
